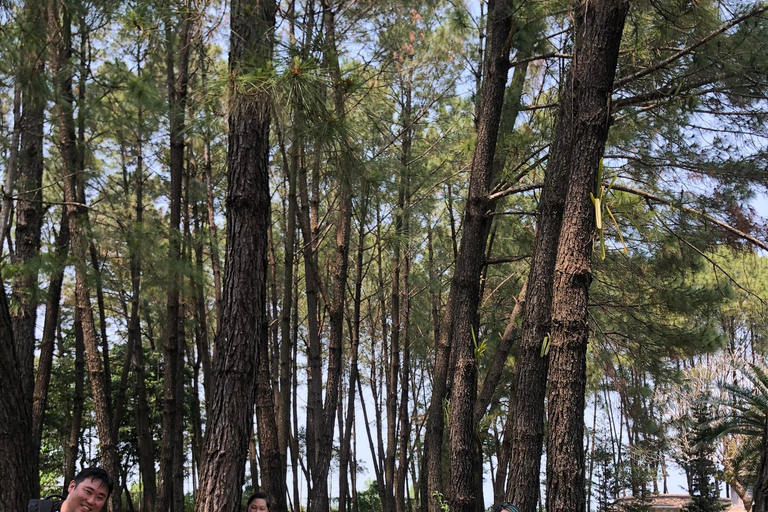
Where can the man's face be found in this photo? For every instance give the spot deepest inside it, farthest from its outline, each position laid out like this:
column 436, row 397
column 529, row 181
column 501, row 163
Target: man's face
column 90, row 495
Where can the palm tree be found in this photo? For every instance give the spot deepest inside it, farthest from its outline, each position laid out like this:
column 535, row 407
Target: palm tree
column 741, row 423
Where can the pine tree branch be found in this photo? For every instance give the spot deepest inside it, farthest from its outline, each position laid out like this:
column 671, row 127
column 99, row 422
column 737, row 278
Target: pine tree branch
column 543, row 56
column 685, row 51
column 513, row 190
column 724, row 225
column 716, row 265
column 667, row 92
column 506, row 259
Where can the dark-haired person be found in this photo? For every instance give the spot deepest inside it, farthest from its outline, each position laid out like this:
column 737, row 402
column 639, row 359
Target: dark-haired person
column 506, row 507
column 88, row 492
column 258, row 502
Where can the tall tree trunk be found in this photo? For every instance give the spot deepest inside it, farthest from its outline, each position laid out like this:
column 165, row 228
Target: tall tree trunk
column 146, row 445
column 169, row 496
column 52, row 307
column 314, row 353
column 524, row 431
column 286, row 342
column 271, row 461
column 16, row 418
column 460, row 318
column 45, row 363
column 586, row 111
column 463, row 324
column 318, row 494
column 60, row 49
column 402, row 319
column 234, row 364
column 345, row 451
column 29, row 214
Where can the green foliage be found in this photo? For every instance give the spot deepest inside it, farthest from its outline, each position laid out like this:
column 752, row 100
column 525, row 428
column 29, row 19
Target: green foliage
column 369, row 499
column 441, row 502
column 700, row 464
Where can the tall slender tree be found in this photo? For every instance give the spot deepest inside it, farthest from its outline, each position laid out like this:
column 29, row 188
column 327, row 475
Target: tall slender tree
column 234, row 365
column 318, row 496
column 171, row 478
column 461, row 321
column 29, row 204
column 598, row 29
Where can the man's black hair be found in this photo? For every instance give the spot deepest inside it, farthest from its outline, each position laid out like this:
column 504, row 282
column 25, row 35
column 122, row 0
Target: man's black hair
column 95, row 474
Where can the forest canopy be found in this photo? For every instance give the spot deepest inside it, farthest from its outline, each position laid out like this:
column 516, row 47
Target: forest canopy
column 375, row 255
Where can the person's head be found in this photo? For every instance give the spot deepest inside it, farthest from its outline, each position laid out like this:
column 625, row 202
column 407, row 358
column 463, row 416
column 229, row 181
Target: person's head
column 258, row 502
column 506, row 507
column 89, row 491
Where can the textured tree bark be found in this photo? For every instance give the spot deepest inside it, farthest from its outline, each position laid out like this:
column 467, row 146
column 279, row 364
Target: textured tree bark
column 16, row 418
column 524, row 431
column 234, row 365
column 29, row 210
column 465, row 285
column 598, row 30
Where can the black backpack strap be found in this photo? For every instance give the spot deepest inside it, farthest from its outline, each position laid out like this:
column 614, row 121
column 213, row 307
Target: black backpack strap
column 44, row 505
column 40, row 506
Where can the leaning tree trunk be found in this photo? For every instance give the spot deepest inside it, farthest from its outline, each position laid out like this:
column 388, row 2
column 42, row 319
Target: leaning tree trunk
column 465, row 285
column 234, row 364
column 60, row 49
column 586, row 108
column 45, row 363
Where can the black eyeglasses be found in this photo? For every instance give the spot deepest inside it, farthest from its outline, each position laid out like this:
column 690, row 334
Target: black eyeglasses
column 510, row 507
